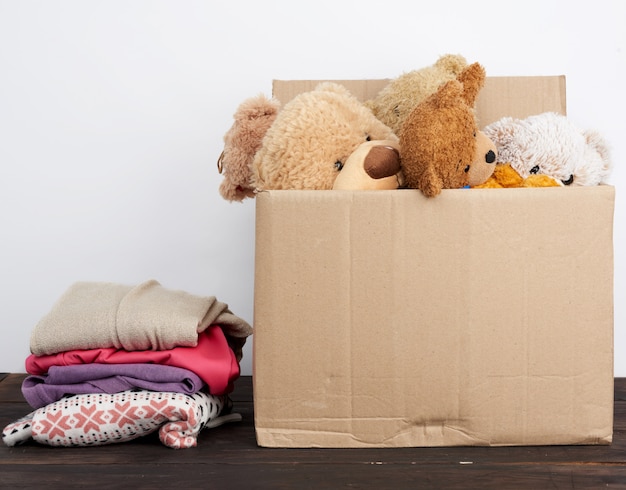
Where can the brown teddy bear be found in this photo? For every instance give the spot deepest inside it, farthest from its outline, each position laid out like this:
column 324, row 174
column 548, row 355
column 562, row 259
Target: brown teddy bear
column 396, row 100
column 241, row 142
column 312, row 138
column 441, row 146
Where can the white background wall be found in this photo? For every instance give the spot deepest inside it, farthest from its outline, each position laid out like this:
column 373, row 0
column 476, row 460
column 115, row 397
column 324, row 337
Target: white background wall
column 112, row 115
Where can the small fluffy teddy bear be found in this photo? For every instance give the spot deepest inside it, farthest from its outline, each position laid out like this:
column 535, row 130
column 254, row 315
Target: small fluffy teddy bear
column 440, row 144
column 505, row 176
column 241, row 142
column 396, row 100
column 550, row 144
column 312, row 137
column 374, row 165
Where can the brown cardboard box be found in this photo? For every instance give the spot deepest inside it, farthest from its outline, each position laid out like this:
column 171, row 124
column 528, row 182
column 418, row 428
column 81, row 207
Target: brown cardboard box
column 478, row 317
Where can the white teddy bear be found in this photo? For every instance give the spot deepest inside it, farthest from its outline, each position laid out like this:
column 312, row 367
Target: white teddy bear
column 550, row 144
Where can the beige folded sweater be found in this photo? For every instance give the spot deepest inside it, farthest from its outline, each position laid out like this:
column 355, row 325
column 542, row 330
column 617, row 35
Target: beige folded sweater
column 93, row 315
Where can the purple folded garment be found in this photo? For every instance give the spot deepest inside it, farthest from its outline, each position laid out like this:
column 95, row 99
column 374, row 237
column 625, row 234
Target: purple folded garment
column 80, row 379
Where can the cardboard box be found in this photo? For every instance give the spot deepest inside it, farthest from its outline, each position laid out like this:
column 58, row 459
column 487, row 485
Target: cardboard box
column 478, row 317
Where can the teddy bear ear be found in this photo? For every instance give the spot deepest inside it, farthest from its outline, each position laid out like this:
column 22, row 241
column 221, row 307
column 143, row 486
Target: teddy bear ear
column 595, row 141
column 252, row 119
column 447, row 94
column 451, row 63
column 473, row 79
column 256, row 107
column 502, row 131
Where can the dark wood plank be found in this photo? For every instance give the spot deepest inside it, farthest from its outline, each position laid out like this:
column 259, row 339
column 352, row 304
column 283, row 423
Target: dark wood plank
column 229, row 457
column 11, row 388
column 620, row 389
column 332, row 475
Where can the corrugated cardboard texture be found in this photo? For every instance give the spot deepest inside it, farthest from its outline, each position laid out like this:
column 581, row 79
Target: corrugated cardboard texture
column 479, row 317
column 501, row 96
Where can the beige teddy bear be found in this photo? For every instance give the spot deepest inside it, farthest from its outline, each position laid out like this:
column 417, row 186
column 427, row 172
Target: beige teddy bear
column 305, row 145
column 312, row 137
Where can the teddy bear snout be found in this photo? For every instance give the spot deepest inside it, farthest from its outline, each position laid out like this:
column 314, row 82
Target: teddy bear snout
column 490, row 157
column 382, row 161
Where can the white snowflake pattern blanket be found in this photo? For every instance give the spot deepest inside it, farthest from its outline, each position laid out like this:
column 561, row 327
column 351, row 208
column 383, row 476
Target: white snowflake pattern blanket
column 98, row 419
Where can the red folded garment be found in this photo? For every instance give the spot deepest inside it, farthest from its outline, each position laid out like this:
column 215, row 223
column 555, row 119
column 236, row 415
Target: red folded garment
column 212, row 359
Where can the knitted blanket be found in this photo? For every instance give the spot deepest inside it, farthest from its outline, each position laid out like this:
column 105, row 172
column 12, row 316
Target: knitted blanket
column 92, row 420
column 145, row 317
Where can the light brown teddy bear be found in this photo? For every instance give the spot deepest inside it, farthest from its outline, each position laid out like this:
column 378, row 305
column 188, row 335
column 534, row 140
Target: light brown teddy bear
column 396, row 100
column 312, row 138
column 441, row 146
column 306, row 145
column 241, row 142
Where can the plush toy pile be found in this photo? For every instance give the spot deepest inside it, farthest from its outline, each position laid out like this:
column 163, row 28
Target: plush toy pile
column 111, row 363
column 419, row 132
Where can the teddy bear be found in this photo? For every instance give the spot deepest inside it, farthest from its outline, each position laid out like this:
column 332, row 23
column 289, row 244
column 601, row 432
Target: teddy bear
column 312, row 137
column 305, row 144
column 374, row 165
column 252, row 119
column 505, row 177
column 441, row 146
column 550, row 144
column 396, row 100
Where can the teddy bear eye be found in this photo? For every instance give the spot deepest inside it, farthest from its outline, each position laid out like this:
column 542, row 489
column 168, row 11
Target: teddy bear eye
column 338, row 165
column 467, row 169
column 535, row 169
column 368, row 137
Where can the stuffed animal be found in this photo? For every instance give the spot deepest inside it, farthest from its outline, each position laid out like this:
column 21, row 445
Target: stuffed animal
column 505, row 176
column 312, row 138
column 241, row 142
column 551, row 144
column 440, row 144
column 374, row 165
column 396, row 100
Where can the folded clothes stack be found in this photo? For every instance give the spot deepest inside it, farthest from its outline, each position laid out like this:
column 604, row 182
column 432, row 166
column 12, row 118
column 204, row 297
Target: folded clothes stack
column 111, row 363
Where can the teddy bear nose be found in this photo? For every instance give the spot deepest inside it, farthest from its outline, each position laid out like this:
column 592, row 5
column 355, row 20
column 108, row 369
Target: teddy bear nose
column 490, row 157
column 382, row 161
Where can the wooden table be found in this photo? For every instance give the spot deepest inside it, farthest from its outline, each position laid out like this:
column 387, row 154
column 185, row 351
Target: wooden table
column 228, row 457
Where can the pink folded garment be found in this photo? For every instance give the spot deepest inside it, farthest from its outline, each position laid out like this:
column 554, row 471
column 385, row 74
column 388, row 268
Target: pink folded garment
column 99, row 419
column 212, row 359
